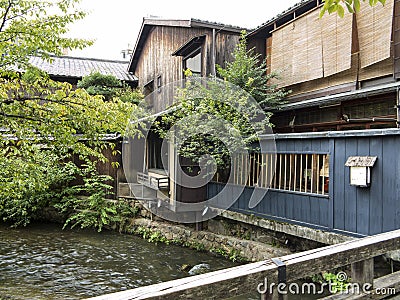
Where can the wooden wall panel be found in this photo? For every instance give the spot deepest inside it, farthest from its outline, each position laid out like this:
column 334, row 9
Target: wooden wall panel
column 357, row 210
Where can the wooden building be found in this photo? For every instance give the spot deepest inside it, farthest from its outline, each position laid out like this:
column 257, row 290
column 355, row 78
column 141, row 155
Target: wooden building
column 343, row 108
column 164, row 49
column 342, row 72
column 344, row 105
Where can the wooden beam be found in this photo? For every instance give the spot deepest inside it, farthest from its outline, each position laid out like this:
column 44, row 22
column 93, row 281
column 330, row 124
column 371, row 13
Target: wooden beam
column 362, row 272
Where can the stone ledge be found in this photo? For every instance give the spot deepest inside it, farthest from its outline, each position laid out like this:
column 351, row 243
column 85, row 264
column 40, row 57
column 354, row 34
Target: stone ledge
column 250, row 250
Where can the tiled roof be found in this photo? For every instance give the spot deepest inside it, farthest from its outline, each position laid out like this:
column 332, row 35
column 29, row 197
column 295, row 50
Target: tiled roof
column 77, row 67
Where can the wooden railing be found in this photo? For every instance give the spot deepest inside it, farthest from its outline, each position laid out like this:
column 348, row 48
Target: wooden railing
column 295, row 172
column 247, row 278
column 154, row 182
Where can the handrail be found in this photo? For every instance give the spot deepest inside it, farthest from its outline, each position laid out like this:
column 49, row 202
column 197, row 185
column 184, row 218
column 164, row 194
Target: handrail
column 157, row 183
column 242, row 279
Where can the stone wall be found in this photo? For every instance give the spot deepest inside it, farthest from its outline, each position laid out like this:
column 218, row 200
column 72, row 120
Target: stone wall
column 231, row 247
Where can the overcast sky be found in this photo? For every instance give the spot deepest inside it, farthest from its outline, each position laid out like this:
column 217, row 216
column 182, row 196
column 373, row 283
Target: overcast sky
column 114, row 24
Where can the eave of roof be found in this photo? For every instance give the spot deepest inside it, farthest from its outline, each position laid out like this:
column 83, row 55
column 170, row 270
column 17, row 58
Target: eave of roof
column 189, row 46
column 337, row 98
column 148, row 23
column 300, row 5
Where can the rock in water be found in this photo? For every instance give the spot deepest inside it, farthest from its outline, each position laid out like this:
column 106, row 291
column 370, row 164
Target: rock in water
column 186, row 267
column 199, row 269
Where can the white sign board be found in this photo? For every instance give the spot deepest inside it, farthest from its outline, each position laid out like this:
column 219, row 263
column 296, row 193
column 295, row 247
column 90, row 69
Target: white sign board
column 359, row 176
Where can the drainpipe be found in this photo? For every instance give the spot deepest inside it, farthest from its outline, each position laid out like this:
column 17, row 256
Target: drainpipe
column 398, row 108
column 213, row 50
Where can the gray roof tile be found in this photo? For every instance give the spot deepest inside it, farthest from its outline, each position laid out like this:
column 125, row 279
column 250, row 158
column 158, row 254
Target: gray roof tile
column 67, row 66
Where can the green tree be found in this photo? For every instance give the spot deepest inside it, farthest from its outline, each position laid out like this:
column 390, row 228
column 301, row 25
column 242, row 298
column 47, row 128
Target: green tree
column 32, row 27
column 109, row 87
column 45, row 125
column 248, row 72
column 339, row 6
column 212, row 118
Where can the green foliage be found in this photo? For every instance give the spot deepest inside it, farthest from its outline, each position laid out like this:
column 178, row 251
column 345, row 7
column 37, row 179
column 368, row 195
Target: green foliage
column 152, row 236
column 231, row 254
column 337, row 282
column 99, row 84
column 352, row 6
column 337, row 285
column 213, row 119
column 47, row 127
column 32, row 182
column 109, row 87
column 36, row 28
column 44, row 125
column 248, row 72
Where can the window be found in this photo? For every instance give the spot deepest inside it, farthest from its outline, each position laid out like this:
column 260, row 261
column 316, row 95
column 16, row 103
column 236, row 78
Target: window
column 193, row 62
column 148, row 88
column 154, row 155
column 191, row 53
column 303, row 173
column 159, row 83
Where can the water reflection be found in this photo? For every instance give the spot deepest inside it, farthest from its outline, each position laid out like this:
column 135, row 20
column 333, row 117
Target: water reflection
column 45, row 262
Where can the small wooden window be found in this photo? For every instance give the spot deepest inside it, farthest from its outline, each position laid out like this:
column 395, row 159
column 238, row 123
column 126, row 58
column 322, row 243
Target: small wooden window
column 159, row 83
column 193, row 62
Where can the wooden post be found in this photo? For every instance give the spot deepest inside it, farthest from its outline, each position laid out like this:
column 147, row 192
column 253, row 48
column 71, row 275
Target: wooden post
column 362, row 272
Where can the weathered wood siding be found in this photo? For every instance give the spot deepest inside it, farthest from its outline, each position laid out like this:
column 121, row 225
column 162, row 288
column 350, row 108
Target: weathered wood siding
column 360, row 211
column 157, row 60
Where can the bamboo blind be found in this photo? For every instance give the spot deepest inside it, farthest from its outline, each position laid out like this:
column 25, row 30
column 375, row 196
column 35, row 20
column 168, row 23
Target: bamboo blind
column 336, row 40
column 311, row 47
column 282, row 53
column 347, row 76
column 383, row 68
column 375, row 32
column 307, row 42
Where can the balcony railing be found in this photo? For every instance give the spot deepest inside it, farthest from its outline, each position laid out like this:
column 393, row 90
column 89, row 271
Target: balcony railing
column 154, row 181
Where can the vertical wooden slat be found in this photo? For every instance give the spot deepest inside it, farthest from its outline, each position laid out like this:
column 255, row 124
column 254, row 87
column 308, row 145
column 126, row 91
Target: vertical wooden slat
column 285, row 168
column 301, row 171
column 272, row 168
column 323, row 174
column 258, row 170
column 318, row 156
column 254, row 169
column 261, row 177
column 306, row 175
column 280, row 170
column 295, row 172
column 312, row 173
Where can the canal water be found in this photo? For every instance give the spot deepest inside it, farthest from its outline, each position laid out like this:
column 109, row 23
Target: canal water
column 43, row 261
